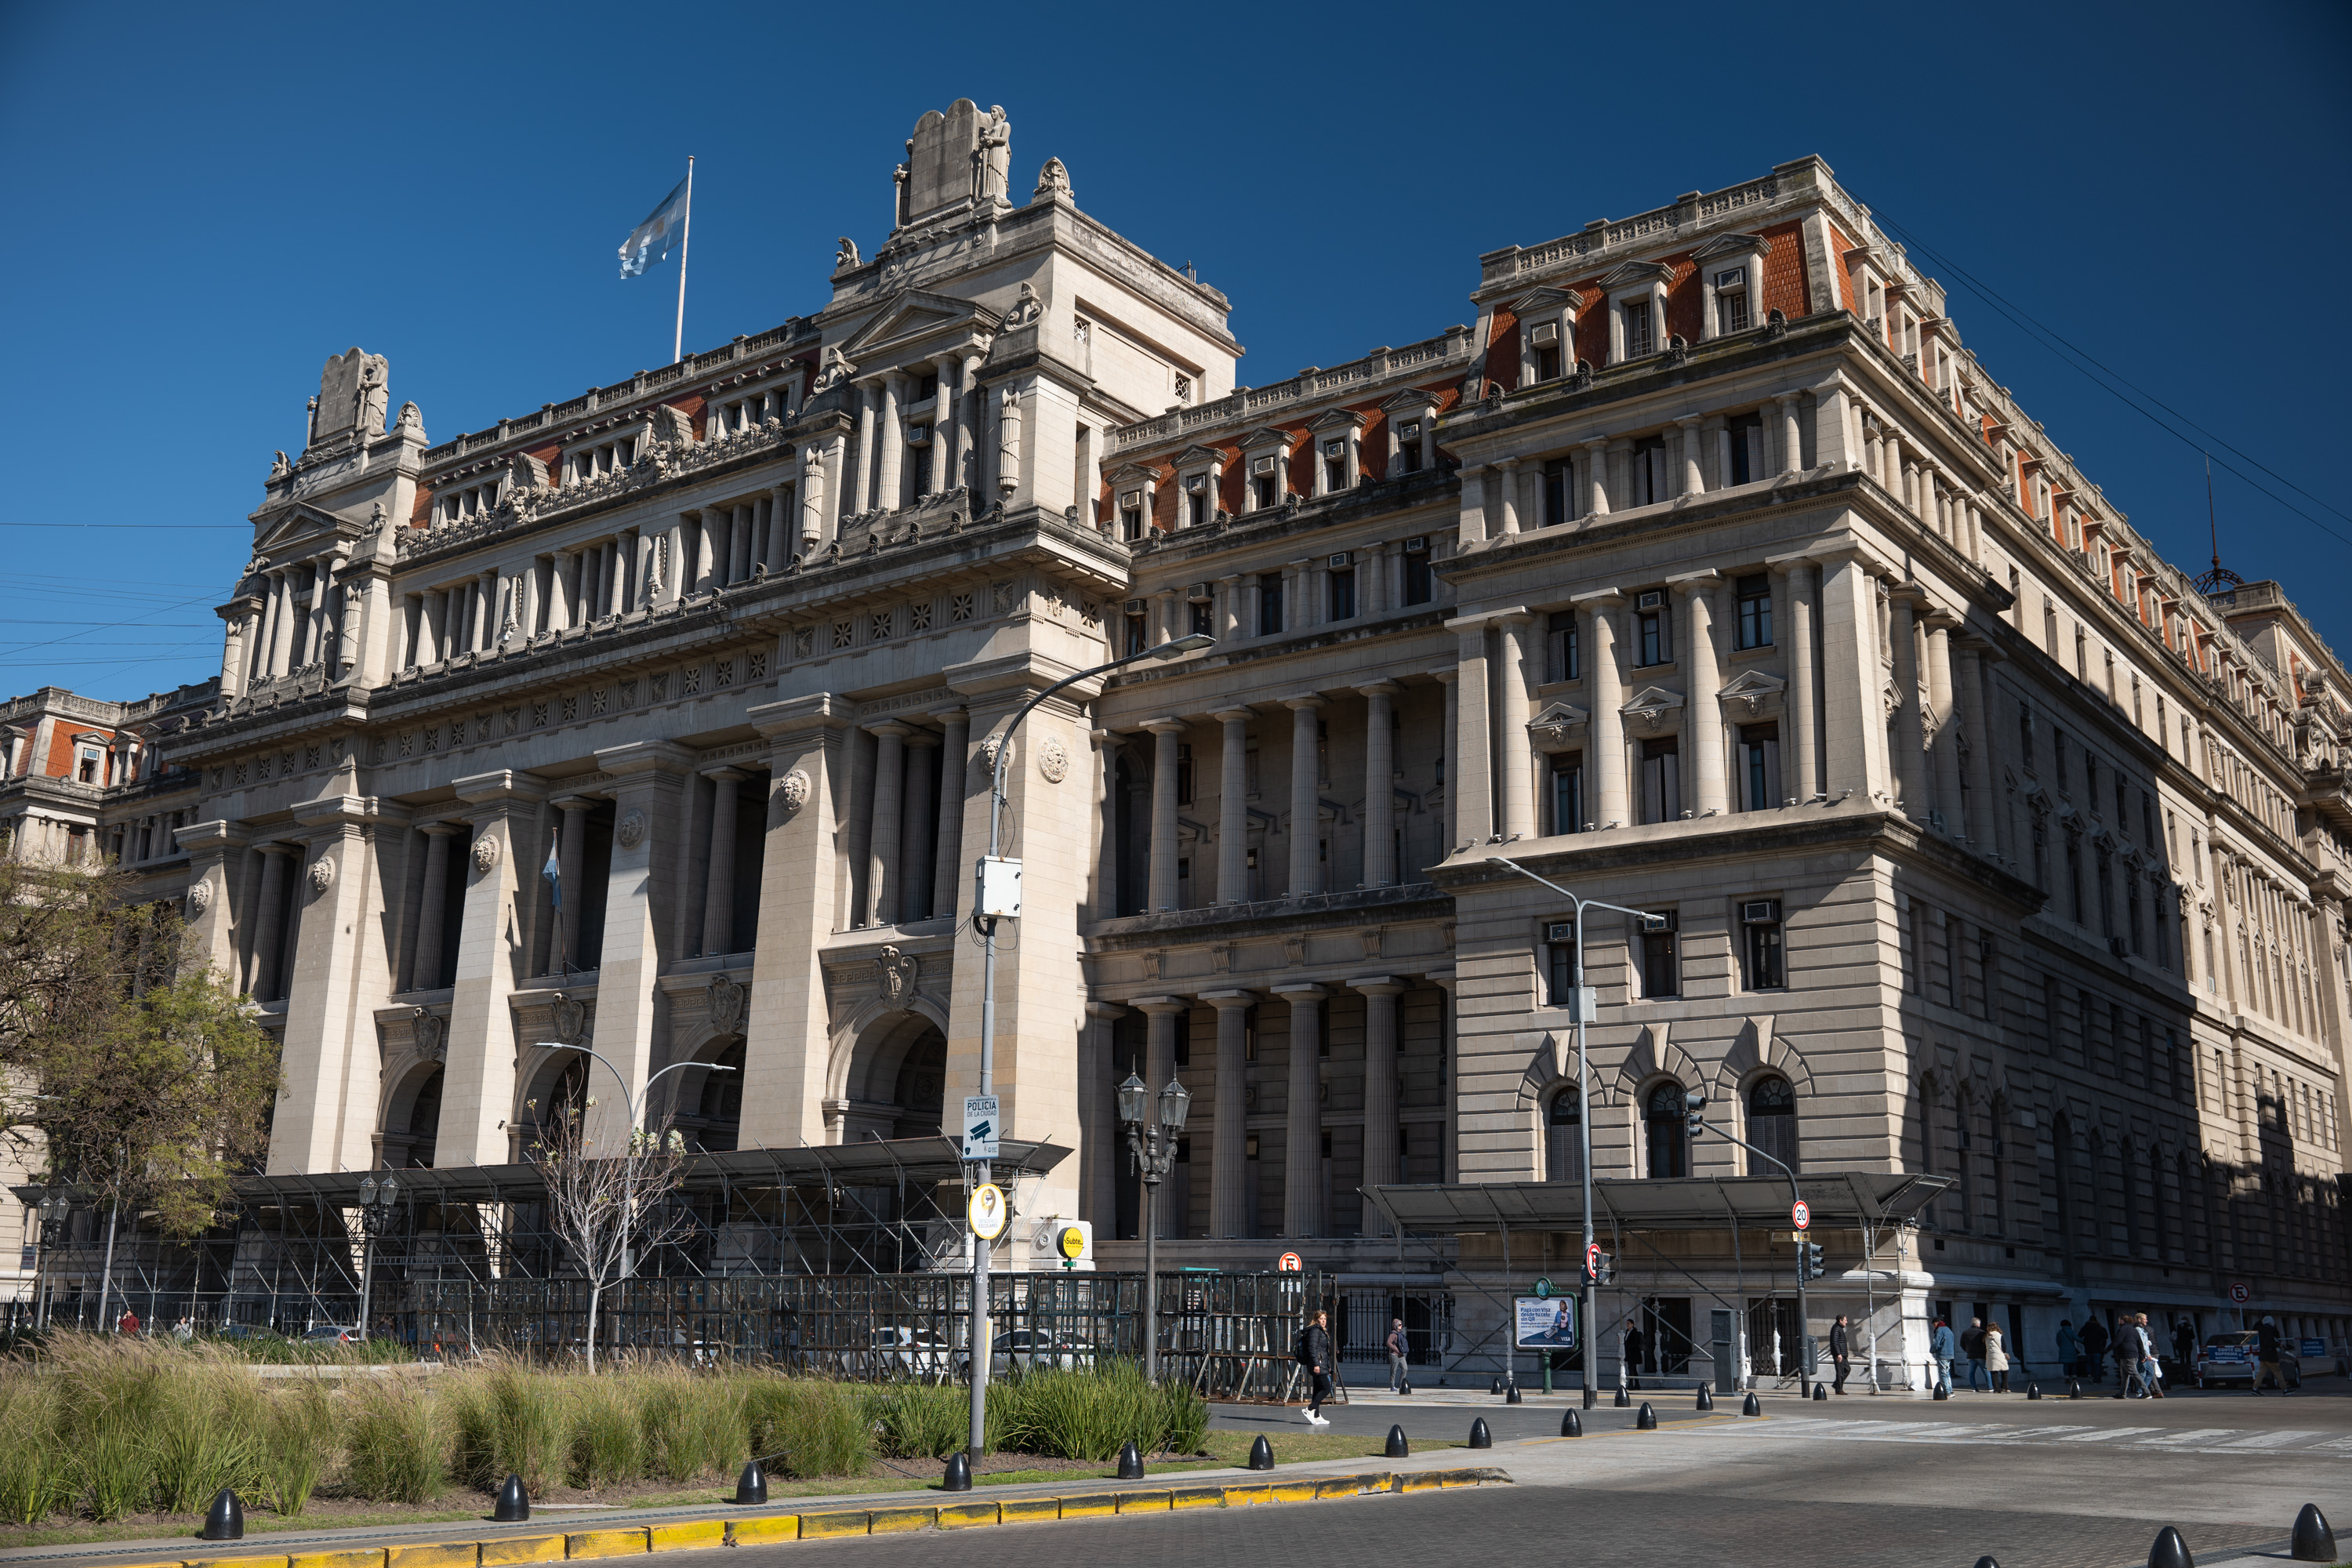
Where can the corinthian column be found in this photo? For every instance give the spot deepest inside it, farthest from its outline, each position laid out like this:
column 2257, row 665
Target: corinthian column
column 719, row 887
column 882, row 875
column 1380, row 784
column 1229, row 1213
column 1233, row 808
column 1302, row 1166
column 1380, row 992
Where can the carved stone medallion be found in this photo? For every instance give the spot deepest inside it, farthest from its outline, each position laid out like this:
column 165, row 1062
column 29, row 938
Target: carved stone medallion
column 485, row 853
column 200, row 899
column 726, row 1006
column 1053, row 760
column 795, row 789
column 571, row 1020
column 897, row 972
column 432, row 1031
column 322, row 875
column 632, row 830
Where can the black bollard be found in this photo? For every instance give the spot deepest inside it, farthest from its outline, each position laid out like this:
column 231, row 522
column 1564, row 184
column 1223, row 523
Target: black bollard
column 2169, row 1551
column 225, row 1521
column 752, row 1486
column 1821, row 1391
column 1647, row 1421
column 513, row 1504
column 1987, row 1563
column 1511, row 1396
column 1706, row 1400
column 957, row 1480
column 1571, row 1424
column 1748, row 1406
column 1942, row 1393
column 1405, row 1386
column 1130, row 1463
column 2312, row 1541
column 1398, row 1448
column 1261, row 1454
column 1622, row 1402
column 1498, row 1386
column 1479, row 1436
column 2074, row 1388
column 2032, row 1391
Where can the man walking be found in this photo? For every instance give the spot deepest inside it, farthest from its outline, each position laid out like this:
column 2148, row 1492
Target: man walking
column 2266, row 1349
column 1972, row 1347
column 2184, row 1347
column 1841, row 1355
column 1634, row 1345
column 1941, row 1346
column 2151, row 1369
column 2095, row 1348
column 1396, row 1355
column 1314, row 1353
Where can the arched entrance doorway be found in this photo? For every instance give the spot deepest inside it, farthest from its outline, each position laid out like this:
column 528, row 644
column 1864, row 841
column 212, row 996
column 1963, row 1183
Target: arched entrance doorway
column 412, row 1119
column 710, row 1105
column 898, row 1082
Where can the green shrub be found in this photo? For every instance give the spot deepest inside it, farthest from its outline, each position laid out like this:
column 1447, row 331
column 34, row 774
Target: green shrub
column 301, row 1444
column 207, row 1432
column 1184, row 1419
column 692, row 1426
column 508, row 1420
column 806, row 1427
column 1088, row 1414
column 608, row 1447
column 395, row 1447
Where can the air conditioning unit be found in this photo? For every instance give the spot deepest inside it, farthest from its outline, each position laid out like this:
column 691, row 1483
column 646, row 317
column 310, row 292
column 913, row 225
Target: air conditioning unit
column 1563, row 931
column 1650, row 601
column 1760, row 912
column 1545, row 332
column 1197, row 593
column 2115, row 946
column 1135, row 606
column 1341, row 558
column 1261, row 466
column 1419, row 541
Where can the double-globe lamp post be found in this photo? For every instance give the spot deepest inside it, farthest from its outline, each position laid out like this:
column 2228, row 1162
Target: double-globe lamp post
column 376, row 1215
column 987, row 911
column 1154, row 1145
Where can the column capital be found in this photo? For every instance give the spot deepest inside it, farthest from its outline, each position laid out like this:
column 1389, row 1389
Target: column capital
column 1691, row 582
column 1595, row 445
column 1221, row 1000
column 1597, row 599
column 1442, row 978
column 923, row 740
column 1936, row 618
column 211, row 839
column 1301, row 991
column 1105, row 1009
column 953, row 713
column 898, row 727
column 575, row 803
column 638, row 757
column 1239, row 714
column 1166, row 725
column 1380, row 688
column 1160, row 1006
column 430, row 830
column 1304, row 700
column 725, row 776
column 1506, row 465
column 1448, row 675
column 1376, row 984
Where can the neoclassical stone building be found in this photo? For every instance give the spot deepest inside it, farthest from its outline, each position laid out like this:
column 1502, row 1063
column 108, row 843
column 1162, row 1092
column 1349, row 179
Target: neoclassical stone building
column 1704, row 571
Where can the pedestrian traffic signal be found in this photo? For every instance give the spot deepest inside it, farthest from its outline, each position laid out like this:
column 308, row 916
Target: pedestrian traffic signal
column 1812, row 1261
column 1603, row 1268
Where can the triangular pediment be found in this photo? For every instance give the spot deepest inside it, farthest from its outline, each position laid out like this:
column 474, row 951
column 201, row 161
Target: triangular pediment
column 1337, row 419
column 908, row 321
column 1409, row 399
column 1268, row 435
column 1556, row 720
column 1134, row 474
column 298, row 523
column 1196, row 454
column 1754, row 682
column 1654, row 706
column 1638, row 272
column 1733, row 245
column 1539, row 301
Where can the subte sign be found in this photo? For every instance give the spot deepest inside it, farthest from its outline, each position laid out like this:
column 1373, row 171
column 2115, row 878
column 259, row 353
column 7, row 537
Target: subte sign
column 1799, row 1215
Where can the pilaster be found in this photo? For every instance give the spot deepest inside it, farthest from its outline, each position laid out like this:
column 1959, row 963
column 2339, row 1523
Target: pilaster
column 650, row 783
column 477, row 1085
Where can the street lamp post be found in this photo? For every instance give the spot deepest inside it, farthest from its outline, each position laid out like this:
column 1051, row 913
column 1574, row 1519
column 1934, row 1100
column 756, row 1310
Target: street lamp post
column 1694, row 1105
column 976, row 1438
column 632, row 1104
column 1154, row 1148
column 53, row 1209
column 1582, row 1007
column 376, row 1216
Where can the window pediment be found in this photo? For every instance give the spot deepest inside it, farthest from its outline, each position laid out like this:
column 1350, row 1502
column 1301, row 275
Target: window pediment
column 909, row 319
column 1199, row 457
column 1725, row 244
column 1654, row 706
column 1409, row 400
column 1757, row 691
column 1551, row 727
column 1543, row 301
column 1269, row 437
column 1337, row 419
column 1637, row 275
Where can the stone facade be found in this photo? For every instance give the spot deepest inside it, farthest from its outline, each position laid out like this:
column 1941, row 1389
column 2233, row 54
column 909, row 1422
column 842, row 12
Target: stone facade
column 1705, row 571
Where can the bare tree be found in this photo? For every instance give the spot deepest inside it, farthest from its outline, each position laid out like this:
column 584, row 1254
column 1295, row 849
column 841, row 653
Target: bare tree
column 607, row 1205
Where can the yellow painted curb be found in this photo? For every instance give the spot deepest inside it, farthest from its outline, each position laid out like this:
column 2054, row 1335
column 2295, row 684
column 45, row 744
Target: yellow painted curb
column 1247, row 1496
column 1143, row 1503
column 824, row 1526
column 760, row 1532
column 372, row 1558
column 964, row 1515
column 1293, row 1491
column 277, row 1561
column 524, row 1549
column 1197, row 1497
column 449, row 1554
column 606, row 1543
column 1090, row 1505
column 1030, row 1509
column 891, row 1520
column 687, row 1536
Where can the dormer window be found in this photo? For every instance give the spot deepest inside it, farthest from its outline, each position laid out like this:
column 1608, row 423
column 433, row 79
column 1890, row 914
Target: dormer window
column 1199, row 503
column 1335, row 466
column 1731, row 314
column 1265, row 482
column 1409, row 447
column 1638, row 341
column 1543, row 342
column 1130, row 516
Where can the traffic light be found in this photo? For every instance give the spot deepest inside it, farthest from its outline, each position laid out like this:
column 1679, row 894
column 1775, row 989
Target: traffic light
column 1812, row 1261
column 1605, row 1269
column 1694, row 1111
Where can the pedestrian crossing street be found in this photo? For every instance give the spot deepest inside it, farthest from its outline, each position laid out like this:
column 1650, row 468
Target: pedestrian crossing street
column 2139, row 1439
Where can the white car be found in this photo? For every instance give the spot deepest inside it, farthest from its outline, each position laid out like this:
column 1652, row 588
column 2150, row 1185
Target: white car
column 1021, row 1349
column 2235, row 1357
column 902, row 1352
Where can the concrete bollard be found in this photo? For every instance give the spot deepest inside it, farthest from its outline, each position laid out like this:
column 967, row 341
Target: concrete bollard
column 2074, row 1388
column 1130, row 1463
column 513, row 1504
column 2169, row 1551
column 1398, row 1448
column 2312, row 1541
column 1821, row 1391
column 1706, row 1400
column 1622, row 1402
column 1748, row 1406
column 752, row 1486
column 1571, row 1424
column 1942, row 1393
column 226, row 1520
column 1647, row 1421
column 1987, row 1563
column 958, row 1478
column 1479, row 1436
column 1261, row 1454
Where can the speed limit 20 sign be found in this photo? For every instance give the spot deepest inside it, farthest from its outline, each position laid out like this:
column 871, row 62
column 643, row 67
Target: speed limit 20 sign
column 1799, row 1215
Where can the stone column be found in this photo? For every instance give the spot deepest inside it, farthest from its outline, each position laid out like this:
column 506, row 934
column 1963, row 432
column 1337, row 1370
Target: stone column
column 882, row 844
column 571, row 859
column 281, row 620
column 1910, row 758
column 788, row 1023
column 718, row 886
column 1448, row 747
column 1302, row 1162
column 967, row 424
column 948, row 868
column 1472, row 526
column 1941, row 697
column 1380, row 784
column 1233, row 808
column 1163, row 812
column 1380, row 992
column 943, row 403
column 890, row 442
column 814, row 492
column 1596, row 478
column 862, row 486
column 478, row 1086
column 1230, row 616
column 648, row 778
column 1694, row 439
column 1982, row 814
column 269, row 922
column 1512, row 756
column 916, row 828
column 1471, row 784
column 432, row 908
column 781, row 507
column 1229, row 1213
column 1854, row 725
column 1167, row 1014
column 1702, row 712
column 1098, row 1140
column 1507, row 488
column 1605, row 731
column 1792, row 440
column 1804, row 720
column 1305, row 799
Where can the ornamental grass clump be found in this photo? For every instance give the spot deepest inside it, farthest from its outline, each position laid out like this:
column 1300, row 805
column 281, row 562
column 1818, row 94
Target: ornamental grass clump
column 925, row 1421
column 302, row 1442
column 207, row 1431
column 509, row 1420
column 395, row 1450
column 806, row 1427
column 36, row 1478
column 607, row 1444
column 692, row 1426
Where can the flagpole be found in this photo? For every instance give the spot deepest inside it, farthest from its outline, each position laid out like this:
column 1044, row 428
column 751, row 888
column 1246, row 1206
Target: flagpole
column 685, row 237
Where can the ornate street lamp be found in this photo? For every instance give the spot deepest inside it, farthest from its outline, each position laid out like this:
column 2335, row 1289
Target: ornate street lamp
column 1154, row 1148
column 377, row 1215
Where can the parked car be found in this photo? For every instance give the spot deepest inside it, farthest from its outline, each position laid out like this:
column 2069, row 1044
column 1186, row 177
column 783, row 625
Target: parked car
column 1022, row 1349
column 902, row 1353
column 248, row 1333
column 2231, row 1358
column 332, row 1333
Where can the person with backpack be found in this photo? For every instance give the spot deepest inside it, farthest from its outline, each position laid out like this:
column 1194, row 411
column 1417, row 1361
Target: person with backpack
column 1972, row 1346
column 1397, row 1351
column 1941, row 1346
column 1314, row 1353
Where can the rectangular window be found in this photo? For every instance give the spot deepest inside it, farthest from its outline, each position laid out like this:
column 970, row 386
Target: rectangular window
column 1745, row 465
column 1555, row 492
column 1645, row 473
column 1763, row 966
column 1135, row 632
column 1420, row 585
column 1661, row 968
column 1637, row 328
column 1563, row 660
column 1731, row 300
column 1334, row 467
column 1199, row 505
column 1754, row 611
column 1560, row 963
column 1759, row 766
column 1203, row 619
column 1343, row 595
column 1269, row 606
column 1264, row 485
column 1565, row 800
column 1408, row 455
column 1130, row 516
column 1661, row 786
column 1653, row 631
column 1547, row 361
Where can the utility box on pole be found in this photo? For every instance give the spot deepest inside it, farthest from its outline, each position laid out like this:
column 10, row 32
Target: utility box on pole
column 999, row 893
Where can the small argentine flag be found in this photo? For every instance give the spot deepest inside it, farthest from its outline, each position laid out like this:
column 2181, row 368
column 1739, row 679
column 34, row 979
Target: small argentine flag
column 554, row 872
column 651, row 241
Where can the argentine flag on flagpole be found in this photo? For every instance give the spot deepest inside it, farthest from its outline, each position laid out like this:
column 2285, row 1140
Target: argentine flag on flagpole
column 650, row 241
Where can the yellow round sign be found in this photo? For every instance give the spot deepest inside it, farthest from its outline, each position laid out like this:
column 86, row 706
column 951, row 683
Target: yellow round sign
column 1072, row 1241
column 987, row 1212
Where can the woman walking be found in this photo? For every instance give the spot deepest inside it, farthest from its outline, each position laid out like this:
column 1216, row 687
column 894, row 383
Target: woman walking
column 1996, row 1358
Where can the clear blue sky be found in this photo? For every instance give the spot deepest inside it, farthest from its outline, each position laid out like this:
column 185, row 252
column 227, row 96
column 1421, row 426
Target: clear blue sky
column 205, row 202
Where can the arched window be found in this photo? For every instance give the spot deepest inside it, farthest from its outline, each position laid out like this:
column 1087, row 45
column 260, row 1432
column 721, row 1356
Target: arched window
column 1668, row 1138
column 1564, row 1137
column 1772, row 1124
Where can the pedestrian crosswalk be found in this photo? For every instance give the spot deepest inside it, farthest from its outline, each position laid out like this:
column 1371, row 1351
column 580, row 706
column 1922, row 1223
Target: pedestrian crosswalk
column 2140, row 1440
